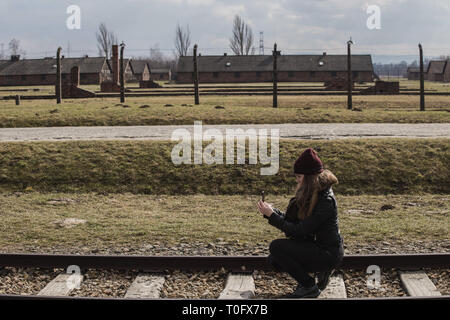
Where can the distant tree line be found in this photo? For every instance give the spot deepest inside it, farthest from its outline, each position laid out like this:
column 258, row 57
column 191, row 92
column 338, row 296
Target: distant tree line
column 400, row 69
column 391, row 69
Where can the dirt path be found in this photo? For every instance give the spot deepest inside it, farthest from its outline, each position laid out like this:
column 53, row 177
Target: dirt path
column 294, row 131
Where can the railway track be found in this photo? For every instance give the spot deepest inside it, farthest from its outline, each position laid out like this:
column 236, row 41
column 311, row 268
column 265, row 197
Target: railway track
column 238, row 273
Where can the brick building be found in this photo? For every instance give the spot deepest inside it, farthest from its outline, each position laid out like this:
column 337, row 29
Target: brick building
column 31, row 72
column 258, row 68
column 3, row 63
column 128, row 70
column 413, row 73
column 141, row 70
column 447, row 71
column 161, row 74
column 439, row 71
column 436, row 70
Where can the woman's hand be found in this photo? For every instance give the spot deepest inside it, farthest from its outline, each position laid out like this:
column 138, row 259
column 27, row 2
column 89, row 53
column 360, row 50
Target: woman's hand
column 265, row 208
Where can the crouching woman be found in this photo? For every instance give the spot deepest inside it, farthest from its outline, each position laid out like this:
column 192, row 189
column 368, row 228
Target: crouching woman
column 310, row 223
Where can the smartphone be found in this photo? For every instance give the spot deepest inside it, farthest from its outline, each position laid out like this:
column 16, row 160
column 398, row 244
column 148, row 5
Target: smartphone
column 262, row 196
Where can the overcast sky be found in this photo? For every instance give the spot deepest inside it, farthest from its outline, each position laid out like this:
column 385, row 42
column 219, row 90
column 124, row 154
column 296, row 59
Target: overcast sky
column 298, row 26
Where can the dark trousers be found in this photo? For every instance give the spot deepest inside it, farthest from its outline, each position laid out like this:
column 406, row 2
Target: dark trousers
column 297, row 258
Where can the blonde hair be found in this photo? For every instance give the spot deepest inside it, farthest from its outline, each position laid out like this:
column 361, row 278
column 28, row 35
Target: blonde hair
column 306, row 194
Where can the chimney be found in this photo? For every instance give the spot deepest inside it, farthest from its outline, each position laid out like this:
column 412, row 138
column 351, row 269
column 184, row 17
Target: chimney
column 15, row 58
column 75, row 76
column 115, row 63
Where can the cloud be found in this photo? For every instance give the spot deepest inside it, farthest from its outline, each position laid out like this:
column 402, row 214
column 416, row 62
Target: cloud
column 227, row 12
column 187, row 2
column 307, row 25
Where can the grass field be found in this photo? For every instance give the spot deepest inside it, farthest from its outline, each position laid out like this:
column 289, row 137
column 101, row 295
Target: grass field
column 238, row 110
column 363, row 166
column 135, row 220
column 130, row 193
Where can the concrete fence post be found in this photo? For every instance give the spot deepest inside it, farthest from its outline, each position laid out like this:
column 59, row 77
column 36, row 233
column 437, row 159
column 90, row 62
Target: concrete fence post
column 122, row 77
column 197, row 99
column 275, row 54
column 58, row 86
column 422, row 82
column 349, row 75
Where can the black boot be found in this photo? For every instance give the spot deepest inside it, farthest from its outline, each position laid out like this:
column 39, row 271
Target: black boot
column 305, row 292
column 323, row 278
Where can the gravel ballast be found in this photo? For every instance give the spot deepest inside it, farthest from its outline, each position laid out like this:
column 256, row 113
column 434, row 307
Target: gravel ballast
column 224, row 248
column 272, row 285
column 105, row 283
column 25, row 281
column 207, row 284
column 198, row 285
column 440, row 278
column 357, row 286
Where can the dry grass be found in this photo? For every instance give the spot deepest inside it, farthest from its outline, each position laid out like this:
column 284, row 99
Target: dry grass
column 238, row 110
column 363, row 166
column 134, row 220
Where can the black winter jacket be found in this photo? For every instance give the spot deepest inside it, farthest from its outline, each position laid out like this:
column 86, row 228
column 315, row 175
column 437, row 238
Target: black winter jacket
column 321, row 226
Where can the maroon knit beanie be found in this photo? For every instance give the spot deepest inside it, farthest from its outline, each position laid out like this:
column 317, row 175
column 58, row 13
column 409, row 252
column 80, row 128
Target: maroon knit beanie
column 308, row 163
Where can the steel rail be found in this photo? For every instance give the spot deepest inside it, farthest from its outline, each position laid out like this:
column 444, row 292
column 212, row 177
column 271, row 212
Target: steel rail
column 195, row 263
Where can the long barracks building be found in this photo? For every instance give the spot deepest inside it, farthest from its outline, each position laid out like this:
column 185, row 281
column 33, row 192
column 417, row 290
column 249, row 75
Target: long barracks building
column 28, row 72
column 259, row 68
column 34, row 72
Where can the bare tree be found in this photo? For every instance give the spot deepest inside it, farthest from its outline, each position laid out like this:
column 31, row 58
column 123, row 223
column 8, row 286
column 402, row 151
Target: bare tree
column 105, row 40
column 242, row 40
column 182, row 40
column 156, row 56
column 14, row 47
column 2, row 51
